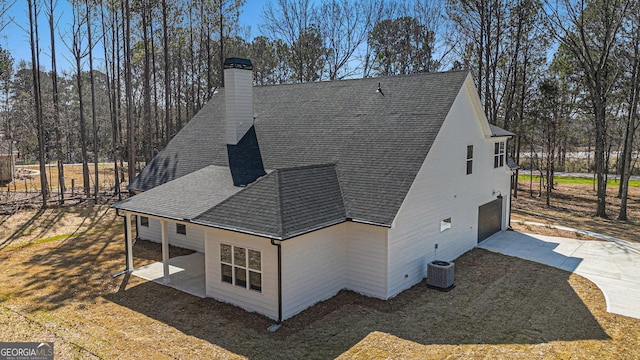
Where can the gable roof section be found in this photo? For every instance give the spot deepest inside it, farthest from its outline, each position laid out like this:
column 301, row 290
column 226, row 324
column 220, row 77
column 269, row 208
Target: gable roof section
column 185, row 197
column 377, row 142
column 499, row 132
column 284, row 204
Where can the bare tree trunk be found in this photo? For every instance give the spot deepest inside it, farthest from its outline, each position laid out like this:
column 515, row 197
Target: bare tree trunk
column 128, row 91
column 35, row 65
column 111, row 94
column 56, row 105
column 78, row 55
column 157, row 139
column 190, row 101
column 93, row 105
column 221, row 44
column 631, row 129
column 146, row 87
column 180, row 89
column 601, row 167
column 118, row 86
column 83, row 131
column 515, row 182
column 167, row 78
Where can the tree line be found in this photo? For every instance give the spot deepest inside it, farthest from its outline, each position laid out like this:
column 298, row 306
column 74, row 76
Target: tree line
column 562, row 75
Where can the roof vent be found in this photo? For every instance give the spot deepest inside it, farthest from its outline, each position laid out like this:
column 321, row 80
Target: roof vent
column 440, row 275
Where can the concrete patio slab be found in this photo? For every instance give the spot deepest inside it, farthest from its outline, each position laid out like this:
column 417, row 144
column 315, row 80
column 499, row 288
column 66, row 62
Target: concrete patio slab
column 186, row 273
column 613, row 265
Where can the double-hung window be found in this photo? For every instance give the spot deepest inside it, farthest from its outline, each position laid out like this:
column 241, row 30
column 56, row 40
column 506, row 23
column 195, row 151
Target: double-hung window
column 241, row 267
column 144, row 221
column 469, row 159
column 498, row 154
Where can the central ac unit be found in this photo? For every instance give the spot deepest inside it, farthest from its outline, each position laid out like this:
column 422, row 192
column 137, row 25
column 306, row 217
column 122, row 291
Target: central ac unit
column 440, row 275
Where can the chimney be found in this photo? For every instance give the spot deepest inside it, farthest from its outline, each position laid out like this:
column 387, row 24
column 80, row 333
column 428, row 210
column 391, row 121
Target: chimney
column 245, row 159
column 238, row 97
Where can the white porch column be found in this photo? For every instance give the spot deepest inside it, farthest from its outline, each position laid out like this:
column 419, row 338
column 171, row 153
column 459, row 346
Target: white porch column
column 165, row 252
column 127, row 230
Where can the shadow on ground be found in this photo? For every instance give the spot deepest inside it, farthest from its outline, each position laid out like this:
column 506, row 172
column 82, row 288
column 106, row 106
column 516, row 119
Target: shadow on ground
column 65, row 273
column 497, row 300
column 46, row 220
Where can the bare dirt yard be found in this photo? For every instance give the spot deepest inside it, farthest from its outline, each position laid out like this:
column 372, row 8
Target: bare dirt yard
column 56, row 270
column 29, row 178
column 575, row 206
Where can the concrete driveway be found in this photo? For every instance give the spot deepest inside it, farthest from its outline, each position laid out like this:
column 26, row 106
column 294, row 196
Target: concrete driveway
column 613, row 265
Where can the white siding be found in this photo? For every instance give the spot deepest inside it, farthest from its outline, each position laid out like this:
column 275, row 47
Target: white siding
column 317, row 265
column 366, row 259
column 312, row 268
column 194, row 239
column 443, row 190
column 265, row 302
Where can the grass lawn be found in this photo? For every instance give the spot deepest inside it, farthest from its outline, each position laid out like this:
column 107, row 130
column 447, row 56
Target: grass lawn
column 576, row 180
column 61, row 289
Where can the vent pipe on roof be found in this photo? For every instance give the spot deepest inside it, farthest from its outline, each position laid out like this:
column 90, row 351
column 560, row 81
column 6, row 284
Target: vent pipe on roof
column 238, row 97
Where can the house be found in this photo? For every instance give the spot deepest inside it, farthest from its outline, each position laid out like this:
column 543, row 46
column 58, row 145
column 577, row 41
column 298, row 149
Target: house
column 8, row 155
column 294, row 192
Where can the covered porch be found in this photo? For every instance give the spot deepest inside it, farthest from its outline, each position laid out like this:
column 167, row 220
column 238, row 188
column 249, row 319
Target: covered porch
column 186, row 273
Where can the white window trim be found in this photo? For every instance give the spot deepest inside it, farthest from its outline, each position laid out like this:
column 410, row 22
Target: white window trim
column 469, row 160
column 246, row 268
column 499, row 154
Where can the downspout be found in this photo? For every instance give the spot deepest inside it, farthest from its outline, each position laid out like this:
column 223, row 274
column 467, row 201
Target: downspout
column 514, row 180
column 126, row 248
column 275, row 327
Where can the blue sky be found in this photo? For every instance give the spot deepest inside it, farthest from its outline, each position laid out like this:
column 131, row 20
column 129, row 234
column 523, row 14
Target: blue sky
column 15, row 36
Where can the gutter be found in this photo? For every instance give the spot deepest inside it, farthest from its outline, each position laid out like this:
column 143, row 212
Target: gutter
column 276, row 326
column 369, row 223
column 229, row 228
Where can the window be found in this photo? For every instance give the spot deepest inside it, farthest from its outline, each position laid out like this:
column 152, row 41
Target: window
column 241, row 267
column 469, row 159
column 498, row 154
column 181, row 229
column 445, row 224
column 144, row 221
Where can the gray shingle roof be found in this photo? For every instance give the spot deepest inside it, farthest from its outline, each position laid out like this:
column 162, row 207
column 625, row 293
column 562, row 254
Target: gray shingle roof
column 499, row 132
column 377, row 142
column 512, row 164
column 185, row 197
column 283, row 204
